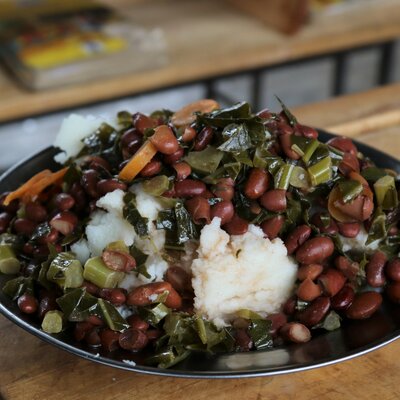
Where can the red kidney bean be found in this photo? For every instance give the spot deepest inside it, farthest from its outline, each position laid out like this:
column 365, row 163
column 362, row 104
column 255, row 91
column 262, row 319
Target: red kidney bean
column 118, row 260
column 349, row 230
column 81, row 329
column 343, row 299
column 223, row 210
column 349, row 164
column 5, row 219
column 141, row 296
column 95, row 320
column 189, row 134
column 348, row 268
column 109, row 339
column 51, row 237
column 393, row 292
column 92, row 337
column 64, row 222
column 393, row 270
column 97, row 163
column 241, row 323
column 12, row 208
column 265, row 114
column 164, row 140
column 286, row 144
column 277, row 321
column 243, row 340
column 283, row 127
column 183, row 170
column 272, row 226
column 257, row 183
column 27, row 249
column 315, row 312
column 142, row 122
column 315, row 250
column 295, row 332
column 331, row 229
column 131, row 139
column 109, row 185
column 35, row 212
column 27, row 303
column 305, row 131
column 375, row 269
column 289, row 307
column 91, row 288
column 255, row 208
column 133, row 339
column 343, row 144
column 331, row 281
column 364, row 305
column 79, row 195
column 297, row 237
column 64, row 201
column 308, row 290
column 136, row 322
column 89, row 181
column 178, row 278
column 151, row 169
column 311, row 271
column 189, row 188
column 199, row 209
column 236, row 226
column 203, row 138
column 153, row 334
column 359, row 209
column 24, row 226
column 114, row 296
column 48, row 303
column 224, row 189
column 175, row 157
column 274, row 200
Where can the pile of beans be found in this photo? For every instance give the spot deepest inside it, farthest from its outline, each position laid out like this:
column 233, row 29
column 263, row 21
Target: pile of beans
column 326, row 280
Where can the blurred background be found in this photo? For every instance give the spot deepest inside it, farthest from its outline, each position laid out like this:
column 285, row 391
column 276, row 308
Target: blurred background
column 101, row 57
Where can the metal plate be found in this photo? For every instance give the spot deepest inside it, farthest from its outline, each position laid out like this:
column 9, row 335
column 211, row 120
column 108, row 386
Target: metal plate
column 353, row 339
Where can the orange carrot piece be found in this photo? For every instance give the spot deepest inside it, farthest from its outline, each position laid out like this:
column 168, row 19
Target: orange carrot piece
column 45, row 182
column 140, row 159
column 18, row 193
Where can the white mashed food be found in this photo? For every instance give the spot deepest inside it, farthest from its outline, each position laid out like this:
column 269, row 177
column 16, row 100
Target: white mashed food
column 73, row 129
column 358, row 243
column 240, row 272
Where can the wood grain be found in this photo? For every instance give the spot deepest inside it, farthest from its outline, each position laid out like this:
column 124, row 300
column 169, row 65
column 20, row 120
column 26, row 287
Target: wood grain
column 206, row 39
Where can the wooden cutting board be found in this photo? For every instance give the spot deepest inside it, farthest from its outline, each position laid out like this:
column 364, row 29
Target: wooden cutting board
column 32, row 369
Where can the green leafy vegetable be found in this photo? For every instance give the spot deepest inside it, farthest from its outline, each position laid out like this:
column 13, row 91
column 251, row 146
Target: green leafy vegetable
column 16, row 287
column 349, row 189
column 140, row 259
column 291, row 118
column 157, row 186
column 378, row 230
column 330, row 323
column 205, row 161
column 41, row 231
column 111, row 316
column 66, row 271
column 372, row 174
column 321, row 172
column 124, row 119
column 132, row 215
column 260, row 333
column 153, row 314
column 386, row 193
column 237, row 139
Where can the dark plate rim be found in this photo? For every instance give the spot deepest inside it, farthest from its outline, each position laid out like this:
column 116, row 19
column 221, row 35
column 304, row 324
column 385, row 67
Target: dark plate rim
column 374, row 345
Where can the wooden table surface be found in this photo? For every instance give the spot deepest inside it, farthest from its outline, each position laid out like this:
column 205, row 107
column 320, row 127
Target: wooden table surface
column 222, row 40
column 32, row 369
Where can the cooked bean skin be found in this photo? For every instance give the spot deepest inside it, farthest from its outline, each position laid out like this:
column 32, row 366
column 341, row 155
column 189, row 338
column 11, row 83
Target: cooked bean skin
column 375, row 269
column 343, row 299
column 311, row 271
column 393, row 270
column 274, row 200
column 349, row 230
column 151, row 169
column 271, row 227
column 27, row 303
column 223, row 210
column 189, row 188
column 257, row 183
column 236, row 226
column 364, row 305
column 315, row 250
column 224, row 189
column 393, row 292
column 164, row 140
column 315, row 312
column 295, row 332
column 35, row 212
column 297, row 237
column 199, row 209
column 64, row 201
column 331, row 281
column 308, row 290
column 203, row 139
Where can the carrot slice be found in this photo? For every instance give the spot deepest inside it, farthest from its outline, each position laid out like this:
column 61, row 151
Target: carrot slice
column 141, row 158
column 42, row 184
column 18, row 193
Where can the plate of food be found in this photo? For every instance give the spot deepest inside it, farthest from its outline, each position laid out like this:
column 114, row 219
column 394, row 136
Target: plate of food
column 207, row 242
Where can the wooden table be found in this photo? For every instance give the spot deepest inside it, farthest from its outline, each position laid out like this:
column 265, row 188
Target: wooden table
column 32, row 369
column 207, row 39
